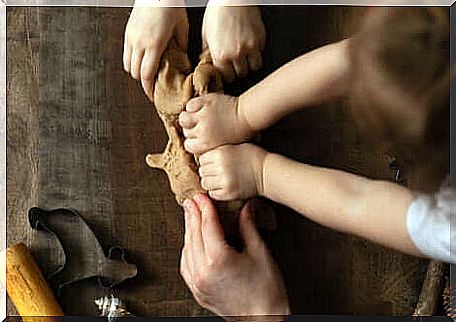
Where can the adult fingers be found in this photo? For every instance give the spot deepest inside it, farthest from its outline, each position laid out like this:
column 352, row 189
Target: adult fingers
column 126, row 56
column 241, row 67
column 247, row 227
column 135, row 67
column 197, row 247
column 212, row 231
column 149, row 67
column 255, row 60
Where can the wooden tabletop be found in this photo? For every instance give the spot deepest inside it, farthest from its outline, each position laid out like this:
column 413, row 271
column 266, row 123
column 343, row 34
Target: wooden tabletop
column 78, row 131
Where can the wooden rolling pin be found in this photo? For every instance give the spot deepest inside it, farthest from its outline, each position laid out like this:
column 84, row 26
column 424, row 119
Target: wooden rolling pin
column 25, row 284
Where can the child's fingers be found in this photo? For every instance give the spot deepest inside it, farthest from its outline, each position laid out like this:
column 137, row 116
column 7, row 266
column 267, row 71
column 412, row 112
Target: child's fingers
column 191, row 145
column 126, row 57
column 218, row 194
column 187, row 120
column 194, row 105
column 255, row 60
column 205, row 159
column 135, row 66
column 194, row 144
column 189, row 133
column 211, row 183
column 208, row 170
column 241, row 67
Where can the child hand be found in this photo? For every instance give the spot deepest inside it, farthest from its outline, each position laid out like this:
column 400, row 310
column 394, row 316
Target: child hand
column 233, row 171
column 235, row 37
column 147, row 34
column 211, row 121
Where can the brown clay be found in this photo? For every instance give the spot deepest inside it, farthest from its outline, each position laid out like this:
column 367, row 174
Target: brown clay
column 174, row 87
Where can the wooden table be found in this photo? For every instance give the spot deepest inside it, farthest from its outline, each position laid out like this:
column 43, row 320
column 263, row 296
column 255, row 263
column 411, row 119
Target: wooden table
column 78, row 131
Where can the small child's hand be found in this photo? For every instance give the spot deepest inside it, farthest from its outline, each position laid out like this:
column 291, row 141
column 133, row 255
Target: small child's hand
column 211, row 121
column 235, row 37
column 233, row 171
column 147, row 34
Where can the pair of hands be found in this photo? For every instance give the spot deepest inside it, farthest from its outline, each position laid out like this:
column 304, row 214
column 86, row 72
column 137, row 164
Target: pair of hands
column 223, row 280
column 213, row 126
column 235, row 37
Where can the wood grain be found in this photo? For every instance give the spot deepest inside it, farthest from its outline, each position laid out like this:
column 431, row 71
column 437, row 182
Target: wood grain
column 78, row 131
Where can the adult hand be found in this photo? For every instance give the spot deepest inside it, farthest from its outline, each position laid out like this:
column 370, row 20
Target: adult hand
column 235, row 37
column 147, row 34
column 222, row 280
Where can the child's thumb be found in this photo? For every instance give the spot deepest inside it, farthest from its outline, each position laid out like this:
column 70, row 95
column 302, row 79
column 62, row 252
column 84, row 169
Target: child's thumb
column 247, row 227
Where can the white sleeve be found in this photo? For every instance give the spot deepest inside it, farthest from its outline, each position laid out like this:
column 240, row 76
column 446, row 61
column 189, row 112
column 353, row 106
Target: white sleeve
column 431, row 224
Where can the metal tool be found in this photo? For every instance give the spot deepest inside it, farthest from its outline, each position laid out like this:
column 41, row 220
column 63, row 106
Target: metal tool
column 83, row 255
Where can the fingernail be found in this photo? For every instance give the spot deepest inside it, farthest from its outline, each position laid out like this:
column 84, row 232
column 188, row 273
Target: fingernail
column 198, row 198
column 187, row 204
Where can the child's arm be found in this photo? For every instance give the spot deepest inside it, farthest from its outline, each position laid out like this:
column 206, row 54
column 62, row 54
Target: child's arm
column 311, row 79
column 375, row 210
column 215, row 119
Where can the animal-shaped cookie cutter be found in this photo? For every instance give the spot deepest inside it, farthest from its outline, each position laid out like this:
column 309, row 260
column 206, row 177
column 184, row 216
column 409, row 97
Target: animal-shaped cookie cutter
column 83, row 255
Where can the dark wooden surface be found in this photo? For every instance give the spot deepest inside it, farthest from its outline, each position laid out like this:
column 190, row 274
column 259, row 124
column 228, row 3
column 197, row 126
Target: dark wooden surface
column 78, row 131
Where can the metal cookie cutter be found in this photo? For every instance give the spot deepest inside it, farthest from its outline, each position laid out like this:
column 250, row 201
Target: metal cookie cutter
column 83, row 255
